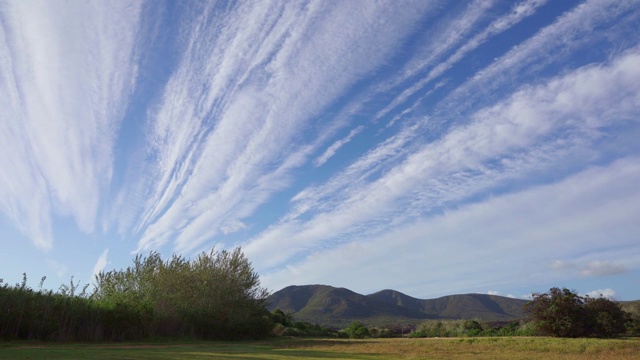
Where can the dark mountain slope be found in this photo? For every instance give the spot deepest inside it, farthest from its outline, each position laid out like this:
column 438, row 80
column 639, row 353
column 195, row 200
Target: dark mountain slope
column 466, row 306
column 338, row 306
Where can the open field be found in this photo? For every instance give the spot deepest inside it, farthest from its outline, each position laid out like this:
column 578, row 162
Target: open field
column 429, row 348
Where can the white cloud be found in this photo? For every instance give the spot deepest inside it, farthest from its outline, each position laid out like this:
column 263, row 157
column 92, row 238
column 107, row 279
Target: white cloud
column 500, row 242
column 454, row 33
column 101, row 263
column 244, row 98
column 551, row 44
column 232, row 227
column 336, row 146
column 66, row 73
column 533, row 130
column 605, row 293
column 591, row 268
column 603, row 268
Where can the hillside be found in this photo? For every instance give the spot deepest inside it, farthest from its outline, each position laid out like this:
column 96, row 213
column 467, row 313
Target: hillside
column 466, row 306
column 337, row 307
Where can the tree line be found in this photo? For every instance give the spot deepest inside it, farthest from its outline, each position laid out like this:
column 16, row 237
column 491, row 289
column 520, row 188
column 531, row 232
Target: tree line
column 557, row 313
column 215, row 296
column 218, row 296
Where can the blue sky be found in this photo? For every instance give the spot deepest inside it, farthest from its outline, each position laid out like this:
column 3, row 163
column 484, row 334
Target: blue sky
column 432, row 147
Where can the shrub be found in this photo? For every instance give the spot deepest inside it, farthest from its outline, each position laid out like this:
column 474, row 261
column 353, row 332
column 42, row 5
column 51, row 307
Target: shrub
column 562, row 313
column 216, row 296
column 357, row 330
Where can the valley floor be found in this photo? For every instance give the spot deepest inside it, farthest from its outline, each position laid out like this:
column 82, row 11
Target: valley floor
column 428, row 348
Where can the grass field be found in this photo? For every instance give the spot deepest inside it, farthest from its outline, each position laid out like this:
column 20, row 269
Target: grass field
column 443, row 348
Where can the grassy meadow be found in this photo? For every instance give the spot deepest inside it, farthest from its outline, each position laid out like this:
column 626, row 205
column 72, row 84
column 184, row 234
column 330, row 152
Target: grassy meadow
column 425, row 348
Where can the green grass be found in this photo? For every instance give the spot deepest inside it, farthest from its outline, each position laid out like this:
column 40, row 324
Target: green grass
column 449, row 348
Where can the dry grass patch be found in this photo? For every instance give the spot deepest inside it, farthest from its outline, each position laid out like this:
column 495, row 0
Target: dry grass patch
column 322, row 349
column 479, row 348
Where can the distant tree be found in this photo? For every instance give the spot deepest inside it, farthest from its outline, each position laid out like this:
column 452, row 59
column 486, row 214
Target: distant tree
column 472, row 327
column 280, row 317
column 357, row 330
column 563, row 313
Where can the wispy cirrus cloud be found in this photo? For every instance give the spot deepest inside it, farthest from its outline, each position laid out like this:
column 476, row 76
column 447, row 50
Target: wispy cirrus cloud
column 454, row 33
column 469, row 248
column 534, row 50
column 239, row 138
column 550, row 45
column 65, row 76
column 336, row 146
column 532, row 131
column 101, row 263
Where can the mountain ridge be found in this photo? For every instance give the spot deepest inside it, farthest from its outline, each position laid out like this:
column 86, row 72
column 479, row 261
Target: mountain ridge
column 337, row 307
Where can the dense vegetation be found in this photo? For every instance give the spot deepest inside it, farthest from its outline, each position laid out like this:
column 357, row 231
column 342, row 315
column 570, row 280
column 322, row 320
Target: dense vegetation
column 215, row 296
column 559, row 313
column 218, row 296
column 563, row 313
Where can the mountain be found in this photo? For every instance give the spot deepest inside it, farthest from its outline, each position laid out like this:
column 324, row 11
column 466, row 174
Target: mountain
column 466, row 306
column 337, row 307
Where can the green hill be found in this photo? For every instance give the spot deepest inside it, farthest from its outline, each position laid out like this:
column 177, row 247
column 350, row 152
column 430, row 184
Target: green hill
column 337, row 307
column 466, row 306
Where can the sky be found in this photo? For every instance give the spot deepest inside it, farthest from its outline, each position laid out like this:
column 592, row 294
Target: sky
column 431, row 147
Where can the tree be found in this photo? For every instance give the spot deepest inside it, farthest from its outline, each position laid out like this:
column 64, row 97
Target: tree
column 605, row 317
column 217, row 295
column 472, row 327
column 563, row 313
column 357, row 330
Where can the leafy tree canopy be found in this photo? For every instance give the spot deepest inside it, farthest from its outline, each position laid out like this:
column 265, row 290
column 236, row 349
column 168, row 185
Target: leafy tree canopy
column 563, row 313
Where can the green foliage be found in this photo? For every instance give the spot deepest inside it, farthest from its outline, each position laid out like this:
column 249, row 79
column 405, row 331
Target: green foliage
column 215, row 296
column 382, row 333
column 285, row 325
column 470, row 328
column 632, row 323
column 563, row 313
column 43, row 315
column 280, row 317
column 605, row 318
column 357, row 330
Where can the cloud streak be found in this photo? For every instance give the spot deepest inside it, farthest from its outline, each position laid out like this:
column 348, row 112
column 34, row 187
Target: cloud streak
column 237, row 144
column 519, row 136
column 470, row 248
column 101, row 263
column 331, row 151
column 66, row 75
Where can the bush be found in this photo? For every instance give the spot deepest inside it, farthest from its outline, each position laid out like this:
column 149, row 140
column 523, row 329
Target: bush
column 562, row 313
column 357, row 330
column 216, row 296
column 437, row 328
column 605, row 318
